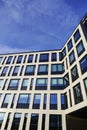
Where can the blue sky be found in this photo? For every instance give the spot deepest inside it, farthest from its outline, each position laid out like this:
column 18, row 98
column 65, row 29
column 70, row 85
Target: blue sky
column 31, row 25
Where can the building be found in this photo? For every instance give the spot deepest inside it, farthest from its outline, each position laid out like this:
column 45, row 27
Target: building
column 46, row 90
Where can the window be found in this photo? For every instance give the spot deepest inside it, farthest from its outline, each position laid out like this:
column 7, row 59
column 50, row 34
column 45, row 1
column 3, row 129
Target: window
column 70, row 98
column 25, row 84
column 7, row 121
column 80, row 48
column 57, row 68
column 1, row 118
column 60, row 56
column 1, row 59
column 6, row 100
column 5, row 69
column 64, row 104
column 15, row 72
column 36, row 102
column 4, row 86
column 85, row 83
column 57, row 83
column 55, row 122
column 23, row 101
column 9, row 60
column 44, row 57
column 76, row 36
column 53, row 101
column 10, row 70
column 19, row 59
column 1, row 83
column 69, row 45
column 71, row 57
column 14, row 60
column 30, row 69
column 34, row 121
column 13, row 101
column 13, row 85
column 30, row 59
column 42, row 69
column 66, row 80
column 31, row 83
column 45, row 101
column 41, row 84
column 21, row 72
column 53, row 57
column 83, row 64
column 25, row 58
column 74, row 73
column 64, row 52
column 43, row 121
column 36, row 57
column 77, row 94
column 25, row 121
column 16, row 121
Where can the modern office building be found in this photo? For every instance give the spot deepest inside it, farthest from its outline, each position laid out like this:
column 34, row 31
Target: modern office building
column 46, row 90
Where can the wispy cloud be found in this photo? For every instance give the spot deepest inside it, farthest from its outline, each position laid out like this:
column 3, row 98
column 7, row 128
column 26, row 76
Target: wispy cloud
column 32, row 24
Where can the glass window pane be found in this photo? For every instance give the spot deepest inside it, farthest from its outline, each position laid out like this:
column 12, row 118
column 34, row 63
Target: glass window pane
column 36, row 103
column 44, row 57
column 34, row 121
column 53, row 101
column 76, row 36
column 80, row 48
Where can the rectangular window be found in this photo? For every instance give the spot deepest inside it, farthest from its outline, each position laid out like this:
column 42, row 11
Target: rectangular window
column 13, row 101
column 60, row 56
column 85, row 83
column 53, row 57
column 45, row 101
column 44, row 58
column 77, row 36
column 25, row 121
column 53, row 101
column 1, row 118
column 57, row 68
column 23, row 101
column 9, row 60
column 69, row 45
column 7, row 121
column 30, row 70
column 4, row 72
column 77, row 94
column 13, row 85
column 80, row 48
column 83, row 64
column 43, row 121
column 74, row 73
column 16, row 121
column 42, row 69
column 71, row 57
column 6, row 101
column 36, row 102
column 36, row 57
column 34, row 121
column 30, row 58
column 55, row 122
column 15, row 72
column 41, row 84
column 19, row 59
column 64, row 104
column 25, row 84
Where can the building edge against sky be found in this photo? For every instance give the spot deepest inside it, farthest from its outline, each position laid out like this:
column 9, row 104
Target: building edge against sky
column 46, row 90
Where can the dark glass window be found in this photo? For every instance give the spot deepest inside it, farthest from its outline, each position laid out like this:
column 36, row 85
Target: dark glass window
column 44, row 57
column 13, row 85
column 83, row 64
column 53, row 101
column 66, row 80
column 42, row 69
column 69, row 45
column 64, row 104
column 30, row 59
column 77, row 94
column 6, row 100
column 77, row 36
column 70, row 97
column 43, row 121
column 53, row 57
column 15, row 72
column 13, row 101
column 25, row 58
column 64, row 52
column 57, row 68
column 7, row 121
column 85, row 83
column 16, row 121
column 30, row 69
column 25, row 84
column 23, row 101
column 5, row 69
column 80, row 48
column 74, row 73
column 19, row 59
column 55, row 122
column 25, row 121
column 36, row 57
column 34, row 121
column 1, row 118
column 57, row 83
column 9, row 60
column 36, row 102
column 60, row 56
column 45, row 101
column 72, row 57
column 41, row 84
column 14, row 60
column 31, row 83
column 4, row 60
